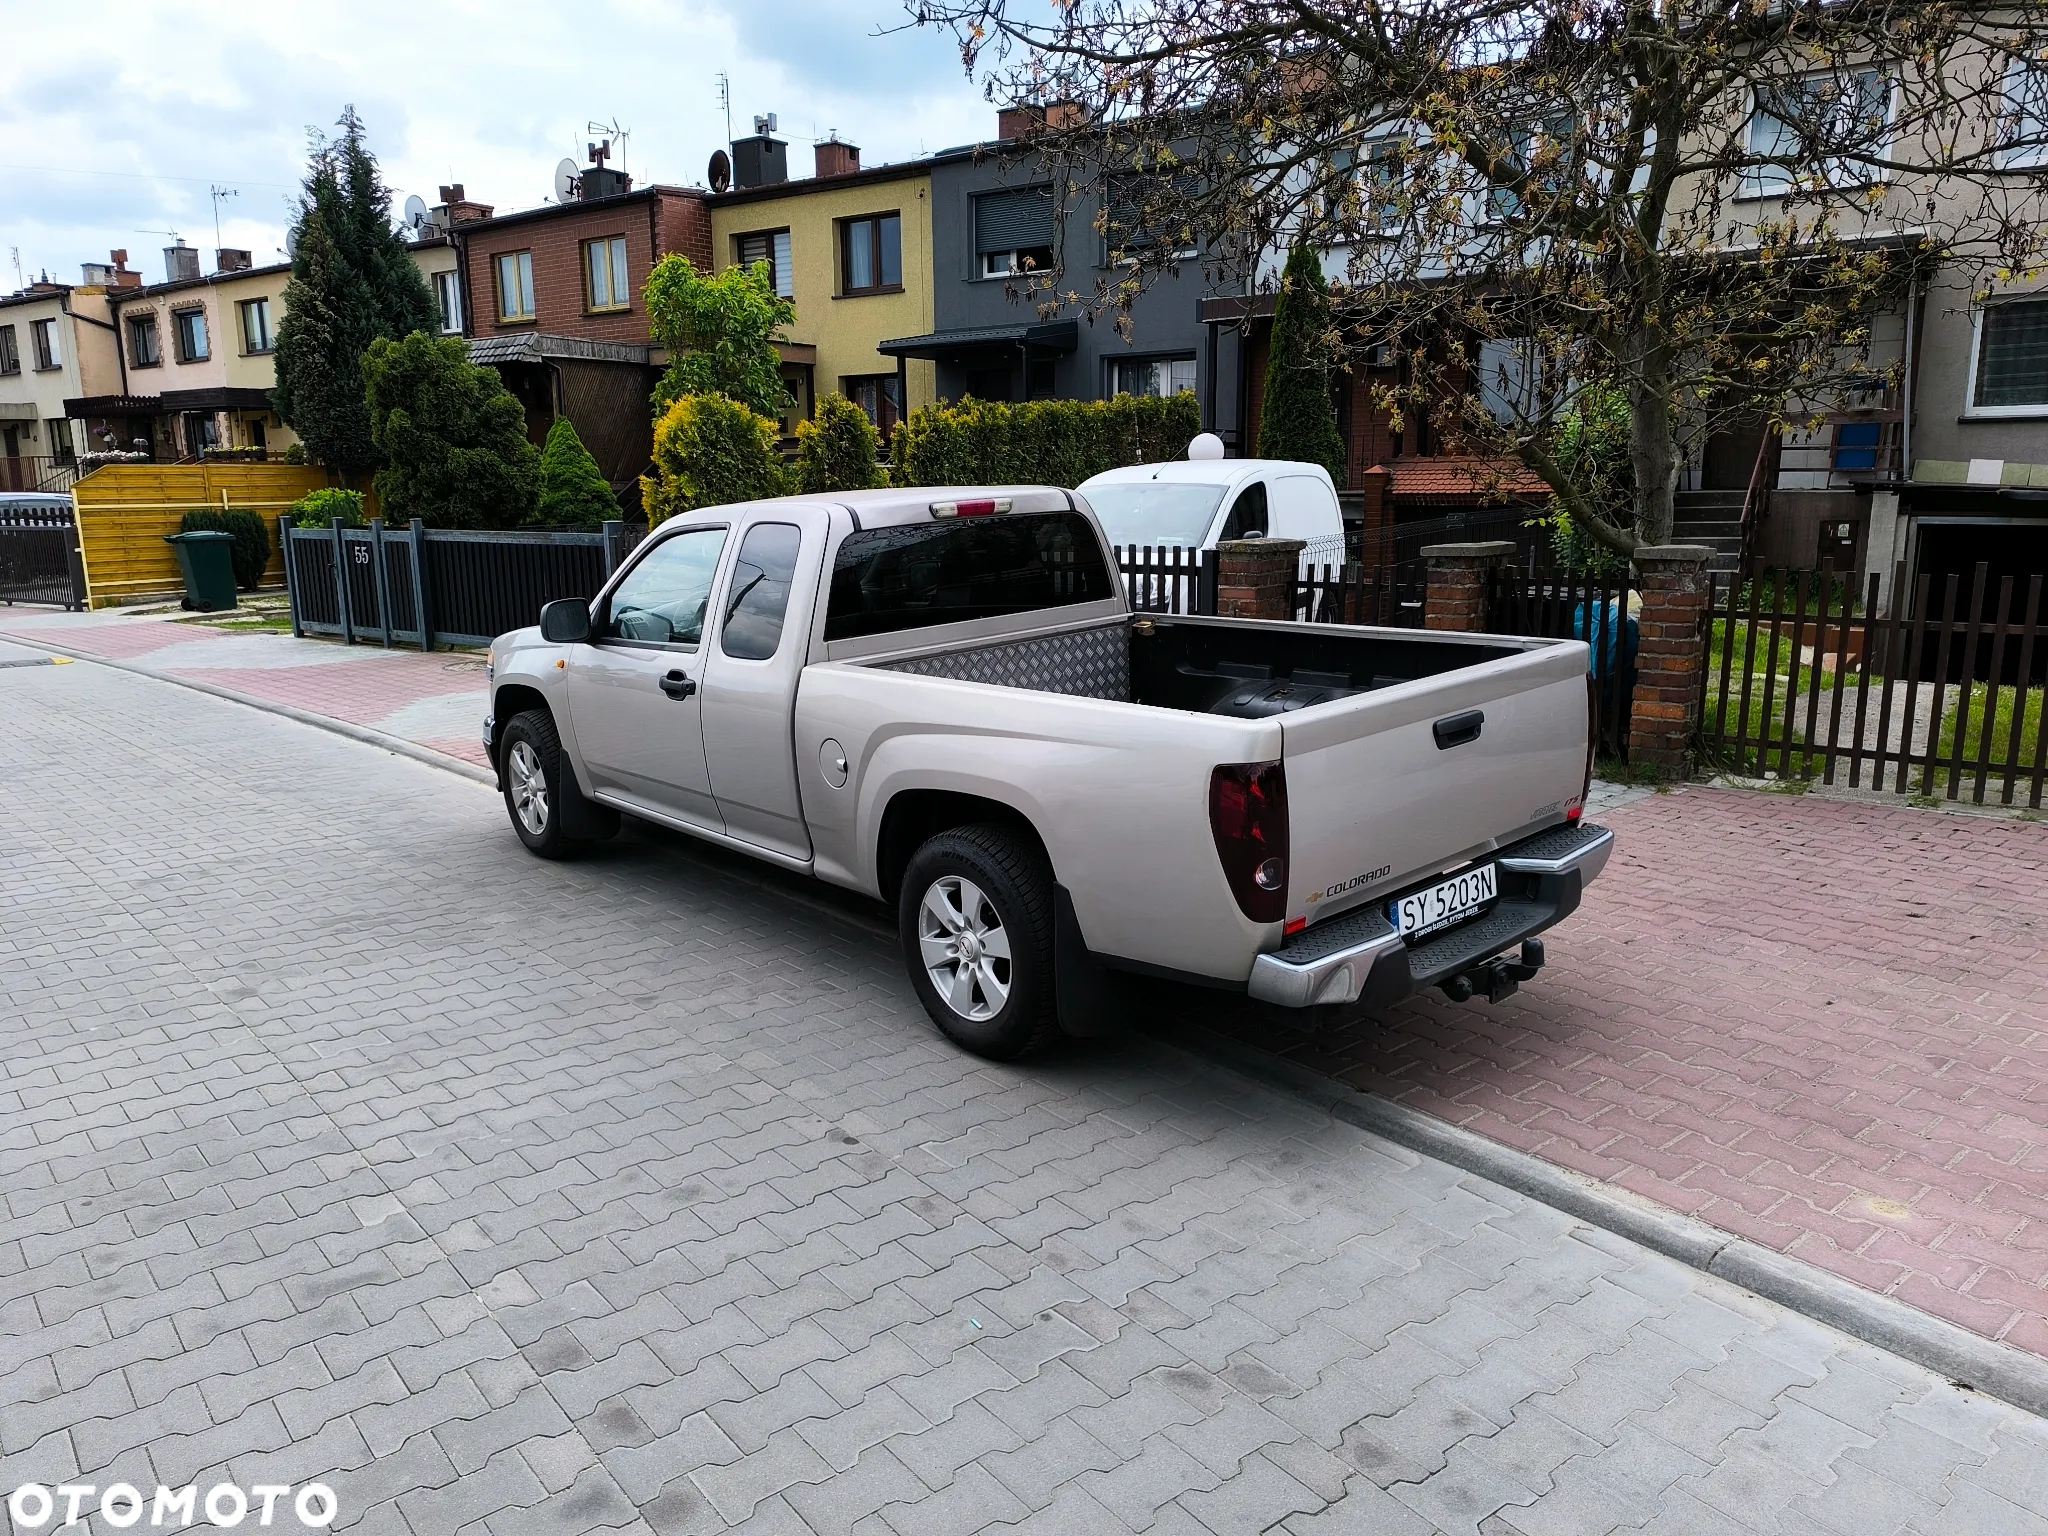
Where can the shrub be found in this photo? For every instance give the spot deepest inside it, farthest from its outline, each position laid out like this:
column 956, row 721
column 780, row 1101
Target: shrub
column 295, row 454
column 453, row 437
column 1043, row 442
column 836, row 451
column 573, row 494
column 720, row 332
column 1592, row 448
column 250, row 552
column 318, row 509
column 710, row 451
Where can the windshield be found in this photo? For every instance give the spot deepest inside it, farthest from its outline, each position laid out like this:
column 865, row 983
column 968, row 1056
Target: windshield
column 1156, row 513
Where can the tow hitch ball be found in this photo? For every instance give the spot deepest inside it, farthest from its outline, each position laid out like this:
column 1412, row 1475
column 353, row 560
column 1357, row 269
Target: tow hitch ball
column 1498, row 979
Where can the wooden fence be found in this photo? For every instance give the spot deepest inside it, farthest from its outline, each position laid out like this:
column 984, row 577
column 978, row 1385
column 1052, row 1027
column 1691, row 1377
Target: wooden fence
column 1940, row 698
column 126, row 510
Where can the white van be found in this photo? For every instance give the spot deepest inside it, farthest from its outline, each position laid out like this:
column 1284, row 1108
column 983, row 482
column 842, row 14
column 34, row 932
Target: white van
column 1195, row 503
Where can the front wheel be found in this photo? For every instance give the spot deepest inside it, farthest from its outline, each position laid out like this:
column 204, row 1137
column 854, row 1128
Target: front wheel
column 976, row 922
column 533, row 776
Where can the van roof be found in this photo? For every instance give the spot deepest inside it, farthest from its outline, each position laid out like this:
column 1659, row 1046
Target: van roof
column 1204, row 471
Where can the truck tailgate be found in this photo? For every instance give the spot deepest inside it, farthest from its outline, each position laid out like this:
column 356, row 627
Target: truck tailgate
column 1375, row 803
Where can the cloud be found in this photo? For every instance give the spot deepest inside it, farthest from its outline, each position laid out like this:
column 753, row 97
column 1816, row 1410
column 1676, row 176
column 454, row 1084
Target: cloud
column 102, row 146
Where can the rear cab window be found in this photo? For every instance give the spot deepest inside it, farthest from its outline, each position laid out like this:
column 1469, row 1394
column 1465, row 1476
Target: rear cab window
column 946, row 572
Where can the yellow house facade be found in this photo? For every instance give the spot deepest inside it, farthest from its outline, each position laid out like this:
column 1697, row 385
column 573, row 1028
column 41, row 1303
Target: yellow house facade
column 852, row 249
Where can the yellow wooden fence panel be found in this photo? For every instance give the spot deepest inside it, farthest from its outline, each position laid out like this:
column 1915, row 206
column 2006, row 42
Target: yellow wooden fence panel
column 125, row 512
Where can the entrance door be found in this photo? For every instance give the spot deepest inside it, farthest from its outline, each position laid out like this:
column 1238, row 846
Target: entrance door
column 635, row 690
column 13, row 476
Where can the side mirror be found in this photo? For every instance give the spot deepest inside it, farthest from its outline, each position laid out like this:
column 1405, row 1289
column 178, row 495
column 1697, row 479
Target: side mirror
column 565, row 620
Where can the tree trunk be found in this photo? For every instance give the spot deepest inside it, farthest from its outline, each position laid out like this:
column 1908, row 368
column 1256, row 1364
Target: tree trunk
column 1653, row 450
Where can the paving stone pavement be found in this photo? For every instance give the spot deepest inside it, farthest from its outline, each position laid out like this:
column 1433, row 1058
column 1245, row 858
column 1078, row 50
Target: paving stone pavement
column 340, row 1139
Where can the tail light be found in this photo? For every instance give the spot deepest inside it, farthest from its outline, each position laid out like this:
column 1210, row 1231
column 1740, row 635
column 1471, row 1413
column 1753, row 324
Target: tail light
column 1248, row 818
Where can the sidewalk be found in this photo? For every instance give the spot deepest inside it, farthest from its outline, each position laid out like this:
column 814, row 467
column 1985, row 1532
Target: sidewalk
column 434, row 700
column 1819, row 1026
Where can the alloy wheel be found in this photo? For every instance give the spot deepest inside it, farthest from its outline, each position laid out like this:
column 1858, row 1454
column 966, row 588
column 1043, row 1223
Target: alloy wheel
column 966, row 949
column 529, row 788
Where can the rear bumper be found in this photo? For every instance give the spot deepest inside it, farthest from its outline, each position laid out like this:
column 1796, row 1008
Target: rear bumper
column 1359, row 958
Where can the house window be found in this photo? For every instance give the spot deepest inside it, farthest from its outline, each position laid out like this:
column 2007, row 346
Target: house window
column 1163, row 376
column 191, row 331
column 2010, row 372
column 515, row 286
column 771, row 246
column 10, row 351
column 1013, row 232
column 145, row 349
column 61, row 448
column 1146, row 211
column 2023, row 134
column 875, row 393
column 871, row 254
column 1857, row 445
column 605, row 285
column 255, row 325
column 43, row 337
column 1791, row 122
column 448, row 300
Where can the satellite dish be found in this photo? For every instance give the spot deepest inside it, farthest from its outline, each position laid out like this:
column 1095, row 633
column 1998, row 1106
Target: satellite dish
column 291, row 243
column 415, row 214
column 565, row 181
column 720, row 174
column 1204, row 446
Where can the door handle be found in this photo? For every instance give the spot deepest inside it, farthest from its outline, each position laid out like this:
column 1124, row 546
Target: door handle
column 1456, row 730
column 677, row 685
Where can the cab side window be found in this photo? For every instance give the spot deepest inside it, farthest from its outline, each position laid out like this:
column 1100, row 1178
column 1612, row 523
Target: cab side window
column 661, row 601
column 757, row 597
column 1247, row 513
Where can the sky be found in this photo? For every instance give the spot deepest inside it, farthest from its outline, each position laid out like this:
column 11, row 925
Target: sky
column 120, row 133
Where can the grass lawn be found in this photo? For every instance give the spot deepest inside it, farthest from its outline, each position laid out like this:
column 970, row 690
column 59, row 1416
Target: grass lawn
column 2024, row 750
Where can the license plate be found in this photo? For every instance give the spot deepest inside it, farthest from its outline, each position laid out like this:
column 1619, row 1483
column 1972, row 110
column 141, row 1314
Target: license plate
column 1447, row 902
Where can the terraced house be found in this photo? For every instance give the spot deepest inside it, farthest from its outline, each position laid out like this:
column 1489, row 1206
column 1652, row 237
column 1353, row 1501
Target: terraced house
column 56, row 343
column 852, row 248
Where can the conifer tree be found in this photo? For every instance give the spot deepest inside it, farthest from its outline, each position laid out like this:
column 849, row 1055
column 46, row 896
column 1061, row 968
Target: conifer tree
column 1298, row 419
column 573, row 494
column 352, row 282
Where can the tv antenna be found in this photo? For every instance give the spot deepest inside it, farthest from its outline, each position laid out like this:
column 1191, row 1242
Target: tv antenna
column 614, row 135
column 725, row 101
column 219, row 196
column 19, row 280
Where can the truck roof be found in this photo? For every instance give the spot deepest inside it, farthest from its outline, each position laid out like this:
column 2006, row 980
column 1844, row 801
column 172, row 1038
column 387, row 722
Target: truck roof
column 892, row 507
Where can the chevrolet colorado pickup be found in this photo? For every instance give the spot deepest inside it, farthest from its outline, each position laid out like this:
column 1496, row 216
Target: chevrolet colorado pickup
column 942, row 699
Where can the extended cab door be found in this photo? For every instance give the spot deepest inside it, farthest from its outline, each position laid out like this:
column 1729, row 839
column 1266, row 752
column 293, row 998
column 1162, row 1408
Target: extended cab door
column 751, row 669
column 634, row 690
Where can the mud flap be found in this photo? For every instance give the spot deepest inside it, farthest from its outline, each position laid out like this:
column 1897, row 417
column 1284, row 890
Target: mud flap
column 1089, row 999
column 582, row 817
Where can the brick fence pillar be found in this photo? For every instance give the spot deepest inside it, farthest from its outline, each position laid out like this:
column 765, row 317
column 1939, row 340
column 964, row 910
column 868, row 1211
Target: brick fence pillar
column 1458, row 577
column 1672, row 652
column 1255, row 578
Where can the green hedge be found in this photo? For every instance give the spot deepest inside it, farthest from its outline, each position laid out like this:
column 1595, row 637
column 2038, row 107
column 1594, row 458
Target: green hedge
column 1043, row 442
column 709, row 452
column 319, row 509
column 250, row 552
column 836, row 451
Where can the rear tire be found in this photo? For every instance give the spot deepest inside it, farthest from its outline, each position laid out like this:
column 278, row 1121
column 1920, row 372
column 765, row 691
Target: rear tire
column 975, row 916
column 533, row 778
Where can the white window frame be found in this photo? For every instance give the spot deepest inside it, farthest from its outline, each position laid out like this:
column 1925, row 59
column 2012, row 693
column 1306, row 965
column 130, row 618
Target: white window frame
column 247, row 308
column 2030, row 107
column 1972, row 411
column 1758, row 182
column 522, row 274
column 1165, row 362
column 448, row 300
column 204, row 354
column 43, row 345
column 10, row 364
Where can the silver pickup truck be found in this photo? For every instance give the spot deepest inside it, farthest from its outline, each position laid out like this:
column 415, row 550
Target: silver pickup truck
column 942, row 699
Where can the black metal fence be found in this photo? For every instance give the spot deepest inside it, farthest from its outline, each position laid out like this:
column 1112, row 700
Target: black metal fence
column 429, row 587
column 40, row 560
column 1558, row 605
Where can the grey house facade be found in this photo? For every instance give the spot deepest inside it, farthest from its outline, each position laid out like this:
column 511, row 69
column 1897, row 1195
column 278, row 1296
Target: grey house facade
column 995, row 223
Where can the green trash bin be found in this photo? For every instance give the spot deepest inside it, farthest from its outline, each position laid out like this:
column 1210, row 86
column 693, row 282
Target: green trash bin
column 209, row 569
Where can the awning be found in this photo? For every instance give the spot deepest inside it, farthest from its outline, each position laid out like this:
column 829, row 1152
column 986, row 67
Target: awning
column 17, row 410
column 1059, row 336
column 171, row 400
column 538, row 346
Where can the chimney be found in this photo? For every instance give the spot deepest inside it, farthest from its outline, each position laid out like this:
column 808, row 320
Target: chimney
column 457, row 209
column 181, row 263
column 228, row 259
column 837, row 159
column 763, row 160
column 122, row 276
column 1028, row 118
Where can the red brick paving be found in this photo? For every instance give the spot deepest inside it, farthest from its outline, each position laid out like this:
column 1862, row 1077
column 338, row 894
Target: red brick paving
column 1819, row 1026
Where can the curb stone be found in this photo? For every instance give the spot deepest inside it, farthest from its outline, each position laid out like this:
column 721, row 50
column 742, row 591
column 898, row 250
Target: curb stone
column 368, row 735
column 1966, row 1359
